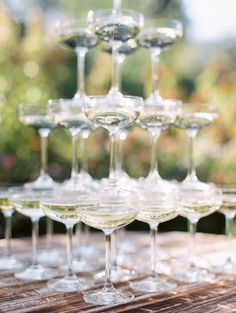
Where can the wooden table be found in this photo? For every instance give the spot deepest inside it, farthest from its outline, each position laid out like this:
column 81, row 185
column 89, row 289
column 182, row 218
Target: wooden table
column 215, row 297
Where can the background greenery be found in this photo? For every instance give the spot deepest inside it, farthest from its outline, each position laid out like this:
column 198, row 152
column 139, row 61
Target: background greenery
column 33, row 68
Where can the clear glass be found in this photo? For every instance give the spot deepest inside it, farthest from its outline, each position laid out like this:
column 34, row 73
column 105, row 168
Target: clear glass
column 8, row 261
column 116, row 27
column 113, row 209
column 194, row 117
column 64, row 210
column 27, row 202
column 35, row 116
column 76, row 35
column 157, row 205
column 157, row 35
column 197, row 202
column 228, row 209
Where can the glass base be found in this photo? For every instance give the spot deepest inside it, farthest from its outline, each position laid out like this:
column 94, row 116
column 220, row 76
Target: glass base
column 50, row 257
column 226, row 268
column 160, row 268
column 42, row 182
column 36, row 273
column 195, row 275
column 84, row 266
column 153, row 284
column 108, row 296
column 8, row 263
column 69, row 284
column 117, row 274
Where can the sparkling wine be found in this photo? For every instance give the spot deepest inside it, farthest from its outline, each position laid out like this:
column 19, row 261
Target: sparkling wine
column 78, row 38
column 70, row 120
column 161, row 37
column 126, row 49
column 62, row 212
column 122, row 31
column 228, row 206
column 156, row 215
column 30, row 208
column 37, row 121
column 108, row 218
column 154, row 120
column 197, row 210
column 114, row 118
column 195, row 121
column 5, row 204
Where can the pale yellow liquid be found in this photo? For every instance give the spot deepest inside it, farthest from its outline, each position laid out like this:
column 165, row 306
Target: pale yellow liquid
column 63, row 213
column 30, row 208
column 197, row 210
column 156, row 215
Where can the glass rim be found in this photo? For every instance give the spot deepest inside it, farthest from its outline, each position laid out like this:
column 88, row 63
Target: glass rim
column 108, row 98
column 92, row 13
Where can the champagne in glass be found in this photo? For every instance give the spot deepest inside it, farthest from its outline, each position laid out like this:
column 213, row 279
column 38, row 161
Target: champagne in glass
column 27, row 202
column 8, row 261
column 64, row 209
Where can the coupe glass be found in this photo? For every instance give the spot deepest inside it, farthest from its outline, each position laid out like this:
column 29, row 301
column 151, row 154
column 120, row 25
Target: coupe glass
column 155, row 118
column 64, row 210
column 193, row 118
column 69, row 113
column 8, row 261
column 27, row 202
column 115, row 26
column 113, row 209
column 77, row 35
column 35, row 115
column 157, row 205
column 228, row 209
column 157, row 35
column 197, row 202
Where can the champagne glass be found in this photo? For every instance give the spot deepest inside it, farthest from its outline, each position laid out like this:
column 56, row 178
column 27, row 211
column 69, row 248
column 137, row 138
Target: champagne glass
column 69, row 113
column 64, row 210
column 35, row 116
column 113, row 209
column 155, row 118
column 27, row 202
column 157, row 205
column 157, row 35
column 193, row 118
column 228, row 209
column 76, row 35
column 115, row 26
column 8, row 261
column 197, row 202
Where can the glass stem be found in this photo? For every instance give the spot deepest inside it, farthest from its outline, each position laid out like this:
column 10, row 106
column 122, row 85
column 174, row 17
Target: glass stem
column 8, row 229
column 153, row 232
column 117, row 6
column 154, row 157
column 192, row 232
column 114, row 249
column 81, row 53
column 191, row 168
column 74, row 171
column 112, row 169
column 49, row 233
column 35, row 235
column 44, row 150
column 108, row 283
column 78, row 238
column 228, row 230
column 69, row 235
column 84, row 161
column 115, row 69
column 155, row 63
column 119, row 154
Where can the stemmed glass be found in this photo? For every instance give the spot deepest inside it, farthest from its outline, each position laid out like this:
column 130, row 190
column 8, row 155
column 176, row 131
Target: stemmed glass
column 157, row 35
column 64, row 210
column 8, row 261
column 197, row 202
column 115, row 26
column 112, row 209
column 193, row 118
column 77, row 35
column 157, row 205
column 27, row 202
column 228, row 209
column 35, row 115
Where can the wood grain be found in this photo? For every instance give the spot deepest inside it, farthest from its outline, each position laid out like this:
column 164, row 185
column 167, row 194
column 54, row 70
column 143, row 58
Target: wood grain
column 216, row 297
